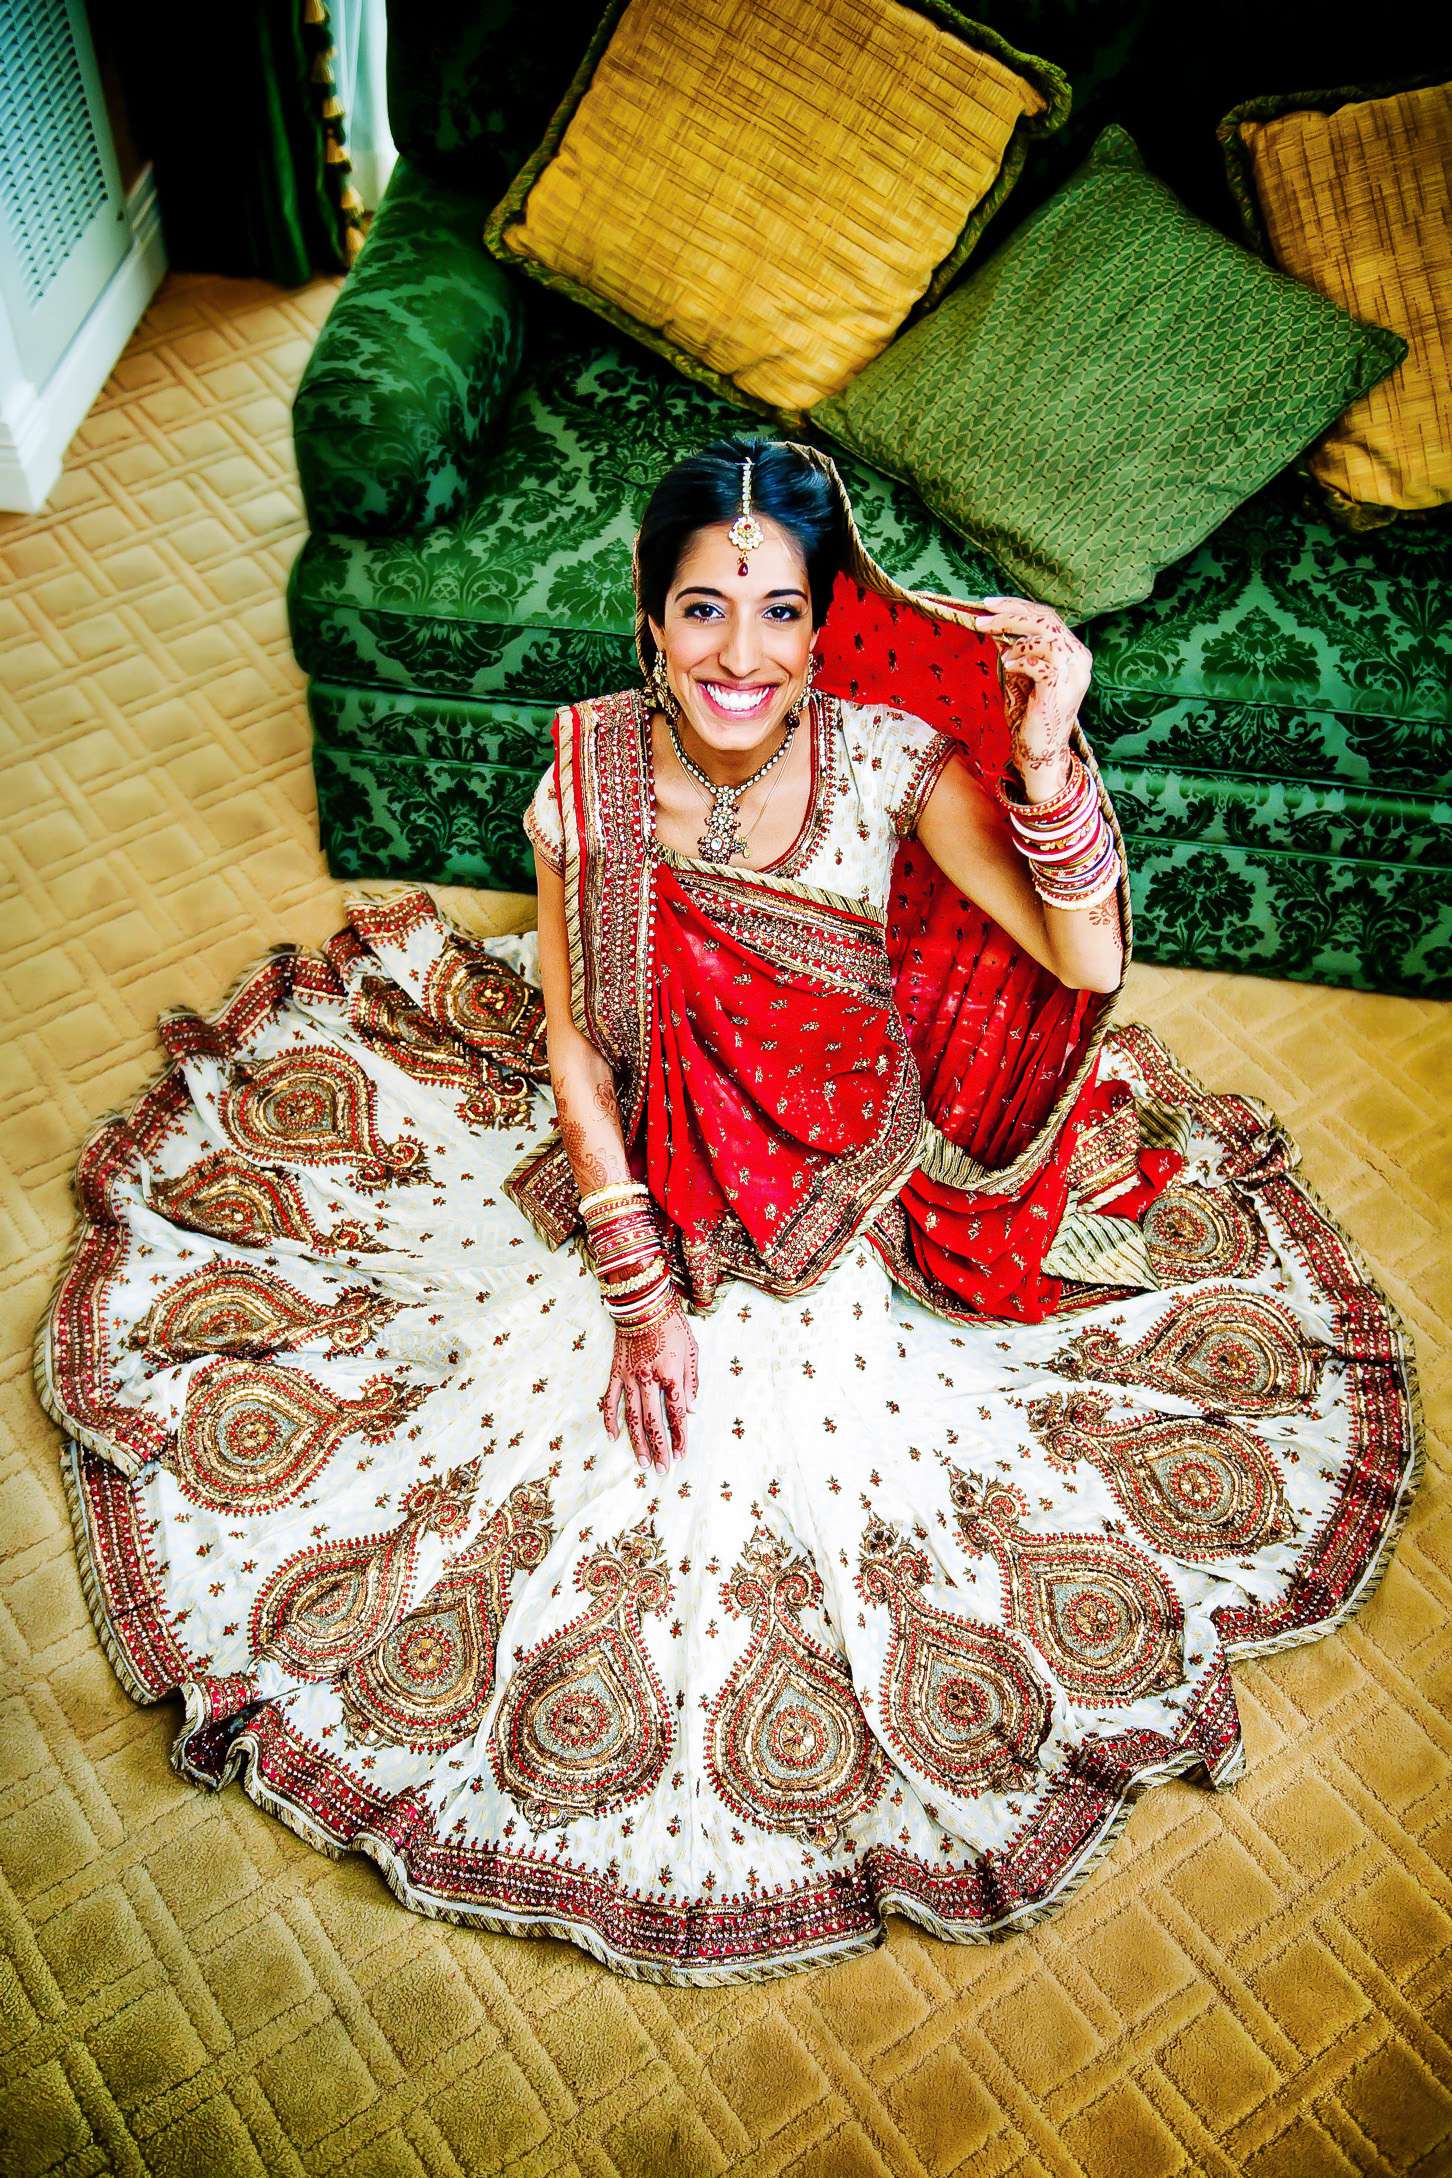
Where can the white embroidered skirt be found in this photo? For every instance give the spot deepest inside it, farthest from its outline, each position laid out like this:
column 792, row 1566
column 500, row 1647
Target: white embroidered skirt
column 922, row 1608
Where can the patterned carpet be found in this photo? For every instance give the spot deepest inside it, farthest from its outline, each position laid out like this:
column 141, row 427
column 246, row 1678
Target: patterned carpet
column 1255, row 1982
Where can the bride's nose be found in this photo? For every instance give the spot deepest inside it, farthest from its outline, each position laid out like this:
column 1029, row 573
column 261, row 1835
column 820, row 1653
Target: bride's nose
column 740, row 651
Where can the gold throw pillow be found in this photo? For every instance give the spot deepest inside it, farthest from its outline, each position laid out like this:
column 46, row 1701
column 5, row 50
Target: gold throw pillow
column 1353, row 195
column 763, row 190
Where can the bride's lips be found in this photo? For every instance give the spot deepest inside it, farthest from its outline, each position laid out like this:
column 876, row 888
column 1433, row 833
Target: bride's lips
column 767, row 691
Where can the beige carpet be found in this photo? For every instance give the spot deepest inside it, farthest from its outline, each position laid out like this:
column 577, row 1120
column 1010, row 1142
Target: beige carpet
column 1255, row 1982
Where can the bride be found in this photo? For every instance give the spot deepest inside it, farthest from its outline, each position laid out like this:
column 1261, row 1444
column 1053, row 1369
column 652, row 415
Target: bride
column 758, row 1405
column 731, row 611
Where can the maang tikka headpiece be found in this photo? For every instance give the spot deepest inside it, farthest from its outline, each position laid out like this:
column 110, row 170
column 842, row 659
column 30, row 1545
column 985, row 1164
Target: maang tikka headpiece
column 745, row 532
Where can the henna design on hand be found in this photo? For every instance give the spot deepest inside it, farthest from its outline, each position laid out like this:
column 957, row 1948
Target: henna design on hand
column 644, row 1376
column 590, row 1169
column 1043, row 671
column 639, row 1349
column 1026, row 761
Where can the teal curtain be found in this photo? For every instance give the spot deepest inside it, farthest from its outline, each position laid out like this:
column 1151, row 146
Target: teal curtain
column 238, row 109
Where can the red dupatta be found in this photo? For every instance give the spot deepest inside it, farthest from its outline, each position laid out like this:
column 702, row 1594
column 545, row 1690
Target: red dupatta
column 1020, row 1127
column 787, row 1081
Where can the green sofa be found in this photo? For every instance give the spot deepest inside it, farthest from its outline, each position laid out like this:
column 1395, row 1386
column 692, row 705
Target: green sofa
column 474, row 453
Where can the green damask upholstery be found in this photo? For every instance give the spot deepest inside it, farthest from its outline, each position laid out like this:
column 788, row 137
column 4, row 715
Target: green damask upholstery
column 527, row 593
column 1273, row 721
column 439, row 656
column 472, row 83
column 412, row 369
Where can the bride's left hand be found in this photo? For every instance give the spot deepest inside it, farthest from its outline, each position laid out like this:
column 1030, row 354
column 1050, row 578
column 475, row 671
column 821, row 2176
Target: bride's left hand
column 1050, row 658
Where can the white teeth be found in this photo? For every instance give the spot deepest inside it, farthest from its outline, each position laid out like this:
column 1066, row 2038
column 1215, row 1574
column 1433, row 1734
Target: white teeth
column 737, row 699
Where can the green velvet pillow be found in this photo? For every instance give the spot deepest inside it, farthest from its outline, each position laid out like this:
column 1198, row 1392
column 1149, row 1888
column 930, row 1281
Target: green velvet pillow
column 1110, row 385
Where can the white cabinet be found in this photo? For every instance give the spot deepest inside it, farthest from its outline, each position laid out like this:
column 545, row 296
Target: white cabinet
column 80, row 258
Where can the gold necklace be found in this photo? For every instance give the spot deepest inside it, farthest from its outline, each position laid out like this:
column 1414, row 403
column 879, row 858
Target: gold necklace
column 721, row 842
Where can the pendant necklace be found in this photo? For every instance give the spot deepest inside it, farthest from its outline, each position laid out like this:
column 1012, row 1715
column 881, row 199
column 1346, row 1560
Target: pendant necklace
column 721, row 841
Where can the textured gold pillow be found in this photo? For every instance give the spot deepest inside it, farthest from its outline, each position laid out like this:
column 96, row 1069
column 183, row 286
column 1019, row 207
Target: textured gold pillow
column 763, row 190
column 1352, row 193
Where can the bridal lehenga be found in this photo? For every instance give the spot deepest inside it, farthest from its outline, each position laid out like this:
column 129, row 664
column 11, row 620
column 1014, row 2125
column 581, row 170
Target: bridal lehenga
column 1036, row 1384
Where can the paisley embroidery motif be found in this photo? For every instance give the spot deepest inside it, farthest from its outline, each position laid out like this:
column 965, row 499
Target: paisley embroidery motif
column 488, row 1005
column 485, row 1095
column 1098, row 1610
column 788, row 1746
column 225, row 1196
column 1242, row 1352
column 427, row 1684
column 960, row 1702
column 315, row 1107
column 1196, row 1487
column 584, row 1726
column 326, row 1607
column 252, row 1437
column 456, row 983
column 235, row 1308
column 1203, row 1232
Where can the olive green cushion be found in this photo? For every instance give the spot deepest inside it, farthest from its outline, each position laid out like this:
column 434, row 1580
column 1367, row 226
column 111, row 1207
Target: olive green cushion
column 1096, row 399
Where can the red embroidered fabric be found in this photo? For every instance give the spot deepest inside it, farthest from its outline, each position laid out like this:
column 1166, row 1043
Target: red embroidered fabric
column 997, row 1037
column 779, row 1087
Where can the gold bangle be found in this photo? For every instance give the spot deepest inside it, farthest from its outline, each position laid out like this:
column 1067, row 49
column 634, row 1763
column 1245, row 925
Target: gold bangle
column 666, row 1307
column 638, row 1281
column 1058, row 806
column 1105, row 888
column 613, row 1191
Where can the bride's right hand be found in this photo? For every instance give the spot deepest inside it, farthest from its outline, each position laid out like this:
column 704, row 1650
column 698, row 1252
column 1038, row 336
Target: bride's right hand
column 651, row 1368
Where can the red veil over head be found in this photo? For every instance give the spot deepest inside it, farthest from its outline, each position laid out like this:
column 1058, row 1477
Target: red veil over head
column 1007, row 1054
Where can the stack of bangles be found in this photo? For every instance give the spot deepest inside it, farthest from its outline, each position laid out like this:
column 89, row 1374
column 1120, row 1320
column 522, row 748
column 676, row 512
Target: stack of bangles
column 1073, row 861
column 625, row 1248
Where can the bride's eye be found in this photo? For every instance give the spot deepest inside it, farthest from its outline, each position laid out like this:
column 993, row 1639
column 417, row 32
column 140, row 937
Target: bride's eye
column 701, row 605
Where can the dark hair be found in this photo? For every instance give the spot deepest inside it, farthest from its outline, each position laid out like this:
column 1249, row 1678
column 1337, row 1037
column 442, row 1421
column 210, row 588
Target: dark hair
column 705, row 487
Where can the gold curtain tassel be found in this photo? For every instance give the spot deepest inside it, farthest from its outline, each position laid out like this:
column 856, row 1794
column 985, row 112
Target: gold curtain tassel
column 315, row 12
column 335, row 154
column 320, row 72
column 332, row 107
column 350, row 201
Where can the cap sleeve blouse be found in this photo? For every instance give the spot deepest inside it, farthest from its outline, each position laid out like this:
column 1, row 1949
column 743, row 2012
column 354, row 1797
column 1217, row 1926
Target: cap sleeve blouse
column 542, row 822
column 899, row 758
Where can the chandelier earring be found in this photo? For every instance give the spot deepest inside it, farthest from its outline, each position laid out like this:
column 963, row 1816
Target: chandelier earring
column 799, row 708
column 665, row 694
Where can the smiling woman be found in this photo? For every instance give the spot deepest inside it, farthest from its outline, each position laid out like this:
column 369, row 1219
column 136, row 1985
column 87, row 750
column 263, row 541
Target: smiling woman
column 904, row 1395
